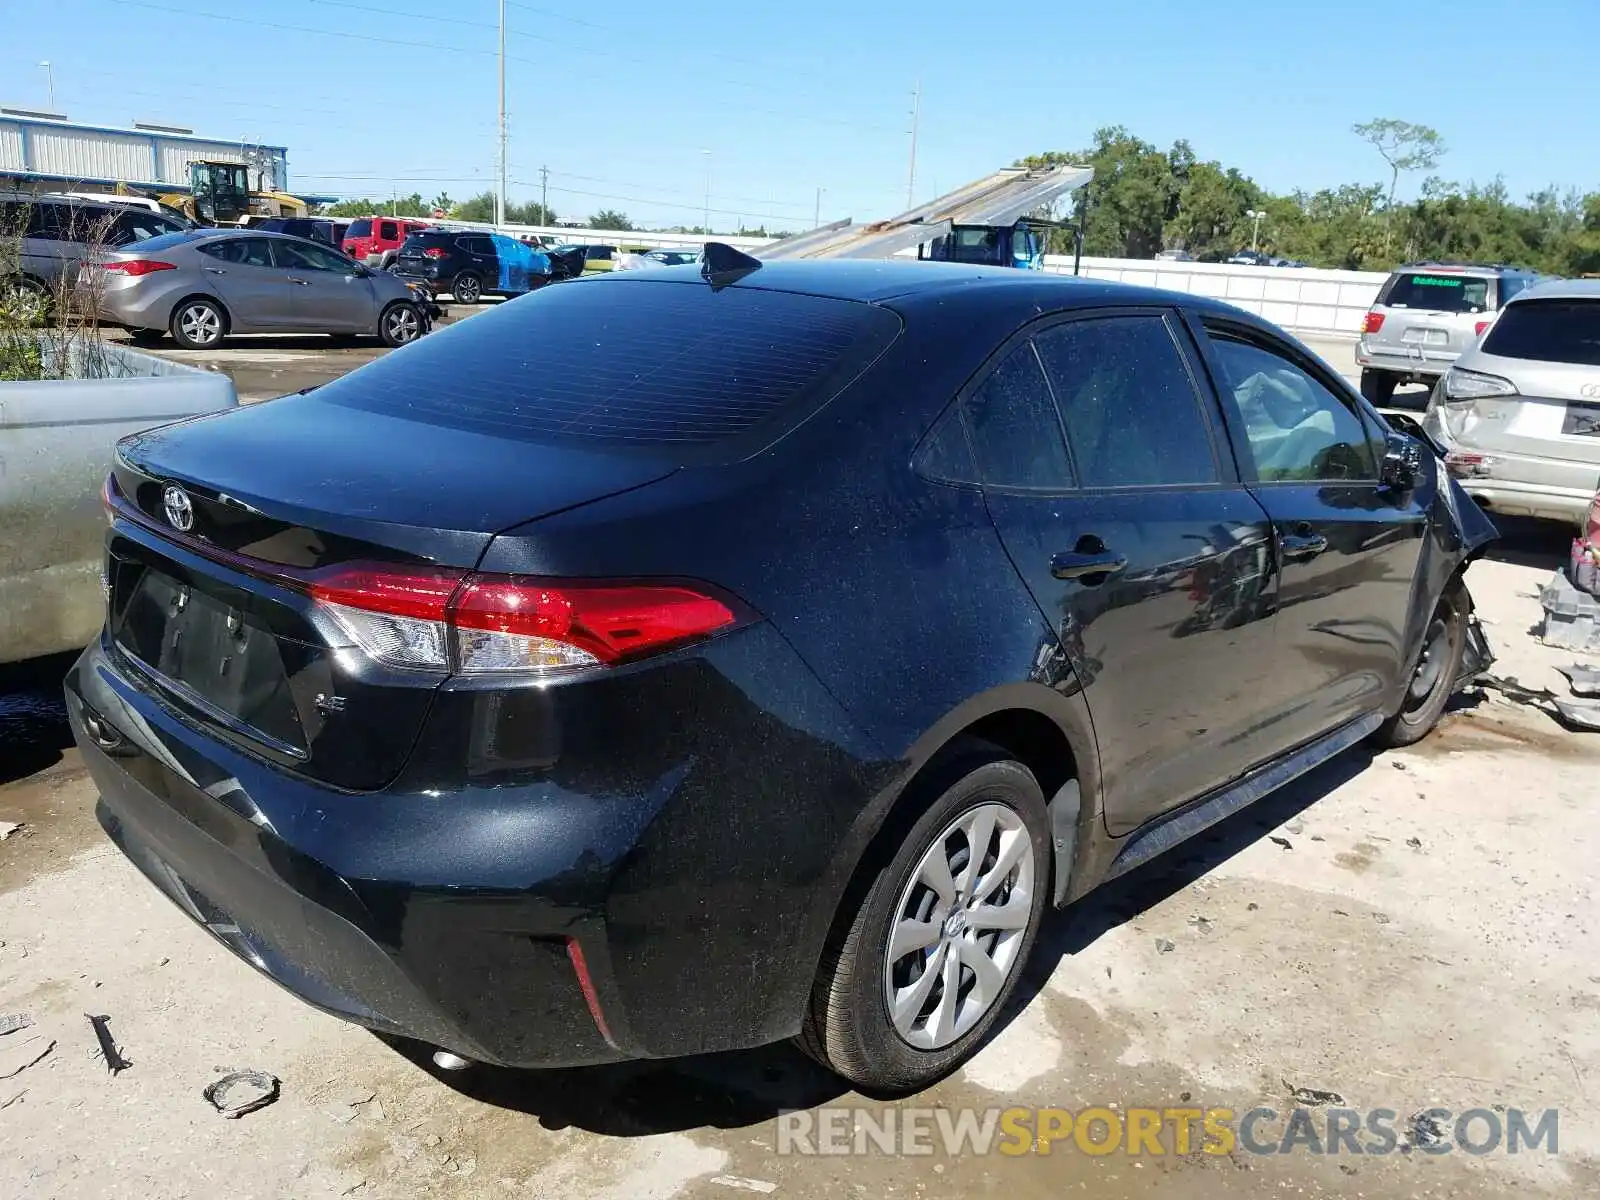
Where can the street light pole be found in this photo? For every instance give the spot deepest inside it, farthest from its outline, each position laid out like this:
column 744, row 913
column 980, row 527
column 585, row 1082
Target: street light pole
column 500, row 196
column 50, row 75
column 707, row 226
column 916, row 114
column 816, row 217
column 1255, row 232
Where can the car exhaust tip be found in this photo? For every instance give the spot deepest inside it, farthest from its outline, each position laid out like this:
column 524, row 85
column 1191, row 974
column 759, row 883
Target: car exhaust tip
column 445, row 1060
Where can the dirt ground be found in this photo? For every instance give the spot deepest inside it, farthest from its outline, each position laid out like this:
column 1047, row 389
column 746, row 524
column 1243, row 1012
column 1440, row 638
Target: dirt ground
column 1410, row 930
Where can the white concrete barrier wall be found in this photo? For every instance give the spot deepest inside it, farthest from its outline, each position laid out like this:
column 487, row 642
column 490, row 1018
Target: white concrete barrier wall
column 1304, row 300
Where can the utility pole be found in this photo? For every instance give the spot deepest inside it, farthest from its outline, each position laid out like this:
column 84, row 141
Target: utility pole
column 544, row 194
column 500, row 196
column 707, row 225
column 816, row 217
column 50, row 75
column 394, row 199
column 911, row 176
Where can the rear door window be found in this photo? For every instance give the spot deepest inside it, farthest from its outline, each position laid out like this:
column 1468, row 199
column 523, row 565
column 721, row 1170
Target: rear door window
column 1130, row 406
column 1556, row 331
column 359, row 229
column 1436, row 292
column 677, row 369
column 1016, row 434
column 388, row 231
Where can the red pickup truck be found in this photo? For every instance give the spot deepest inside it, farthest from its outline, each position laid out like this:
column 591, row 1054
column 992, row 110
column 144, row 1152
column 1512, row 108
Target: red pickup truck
column 376, row 241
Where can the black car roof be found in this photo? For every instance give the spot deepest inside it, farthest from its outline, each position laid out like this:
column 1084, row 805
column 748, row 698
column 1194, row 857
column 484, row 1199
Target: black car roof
column 876, row 281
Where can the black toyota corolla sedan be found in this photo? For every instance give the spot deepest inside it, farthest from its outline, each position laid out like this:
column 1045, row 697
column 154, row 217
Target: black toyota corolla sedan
column 684, row 660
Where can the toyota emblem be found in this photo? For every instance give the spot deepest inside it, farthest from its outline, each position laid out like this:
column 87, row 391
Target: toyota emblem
column 179, row 509
column 1590, row 391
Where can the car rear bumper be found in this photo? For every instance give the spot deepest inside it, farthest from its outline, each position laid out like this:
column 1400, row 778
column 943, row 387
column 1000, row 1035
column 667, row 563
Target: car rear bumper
column 1517, row 484
column 665, row 902
column 1418, row 367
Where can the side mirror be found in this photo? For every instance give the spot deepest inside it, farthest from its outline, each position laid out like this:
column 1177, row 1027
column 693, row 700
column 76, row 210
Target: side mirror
column 1402, row 463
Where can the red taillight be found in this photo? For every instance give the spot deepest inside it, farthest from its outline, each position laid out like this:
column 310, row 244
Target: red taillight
column 1373, row 323
column 1480, row 327
column 136, row 267
column 436, row 252
column 510, row 623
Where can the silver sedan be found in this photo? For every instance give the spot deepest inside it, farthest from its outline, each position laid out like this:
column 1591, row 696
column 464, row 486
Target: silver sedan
column 203, row 284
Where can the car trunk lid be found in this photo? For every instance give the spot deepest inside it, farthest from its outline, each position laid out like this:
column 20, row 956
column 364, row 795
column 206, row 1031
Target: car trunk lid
column 225, row 526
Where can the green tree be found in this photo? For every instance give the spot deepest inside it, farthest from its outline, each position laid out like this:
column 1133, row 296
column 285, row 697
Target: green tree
column 1405, row 147
column 531, row 213
column 478, row 208
column 401, row 206
column 608, row 218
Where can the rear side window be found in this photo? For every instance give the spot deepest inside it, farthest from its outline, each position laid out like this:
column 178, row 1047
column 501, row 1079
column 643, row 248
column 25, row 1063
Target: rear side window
column 629, row 364
column 361, row 228
column 388, row 230
column 1557, row 331
column 1132, row 414
column 1016, row 435
column 1436, row 292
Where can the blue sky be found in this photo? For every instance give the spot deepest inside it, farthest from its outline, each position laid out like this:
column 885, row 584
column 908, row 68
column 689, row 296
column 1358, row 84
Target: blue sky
column 621, row 101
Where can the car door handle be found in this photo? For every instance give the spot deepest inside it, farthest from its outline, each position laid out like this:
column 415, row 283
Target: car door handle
column 1079, row 564
column 1303, row 547
column 301, row 282
column 214, row 270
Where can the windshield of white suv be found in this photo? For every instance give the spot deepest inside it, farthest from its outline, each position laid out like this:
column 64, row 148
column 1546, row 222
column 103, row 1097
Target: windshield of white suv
column 1436, row 293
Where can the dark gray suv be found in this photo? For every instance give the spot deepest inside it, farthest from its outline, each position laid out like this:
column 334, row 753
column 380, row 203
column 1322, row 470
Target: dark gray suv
column 1427, row 314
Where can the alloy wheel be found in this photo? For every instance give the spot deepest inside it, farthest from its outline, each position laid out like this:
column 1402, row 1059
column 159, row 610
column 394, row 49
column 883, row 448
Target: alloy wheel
column 201, row 324
column 403, row 324
column 959, row 926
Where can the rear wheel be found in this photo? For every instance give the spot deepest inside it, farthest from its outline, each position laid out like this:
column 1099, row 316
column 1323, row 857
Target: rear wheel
column 198, row 324
column 467, row 288
column 401, row 323
column 1432, row 682
column 1378, row 386
column 916, row 976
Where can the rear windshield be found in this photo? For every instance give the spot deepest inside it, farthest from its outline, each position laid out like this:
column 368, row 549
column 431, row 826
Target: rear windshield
column 1558, row 331
column 1437, row 293
column 362, row 228
column 430, row 237
column 167, row 240
column 626, row 364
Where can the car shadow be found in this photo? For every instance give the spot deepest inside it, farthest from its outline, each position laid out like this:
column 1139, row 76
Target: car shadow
column 1073, row 930
column 1529, row 542
column 637, row 1099
column 33, row 715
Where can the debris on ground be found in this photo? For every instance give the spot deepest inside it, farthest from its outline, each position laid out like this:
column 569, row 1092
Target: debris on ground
column 1570, row 713
column 1164, row 946
column 7, row 828
column 11, row 1022
column 1571, row 616
column 18, row 1054
column 1283, row 841
column 1414, row 842
column 1203, row 924
column 744, row 1185
column 115, row 1062
column 1585, row 681
column 1425, row 1129
column 10, row 1100
column 242, row 1092
column 1314, row 1097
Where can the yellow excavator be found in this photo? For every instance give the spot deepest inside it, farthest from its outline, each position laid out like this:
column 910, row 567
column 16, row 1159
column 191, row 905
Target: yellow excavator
column 219, row 194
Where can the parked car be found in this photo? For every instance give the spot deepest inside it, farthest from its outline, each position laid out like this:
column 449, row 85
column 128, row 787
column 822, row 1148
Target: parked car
column 202, row 285
column 1519, row 413
column 316, row 229
column 57, row 437
column 541, row 685
column 656, row 258
column 376, row 241
column 1251, row 258
column 58, row 232
column 566, row 261
column 1174, row 256
column 1425, row 316
column 470, row 265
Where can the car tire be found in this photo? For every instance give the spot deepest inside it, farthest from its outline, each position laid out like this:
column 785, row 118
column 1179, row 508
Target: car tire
column 400, row 325
column 850, row 1026
column 467, row 288
column 1378, row 386
column 1433, row 679
column 198, row 324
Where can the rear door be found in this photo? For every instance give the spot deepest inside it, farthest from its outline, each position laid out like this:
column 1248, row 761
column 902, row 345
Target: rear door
column 1432, row 317
column 254, row 289
column 1140, row 545
column 1347, row 547
column 330, row 296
